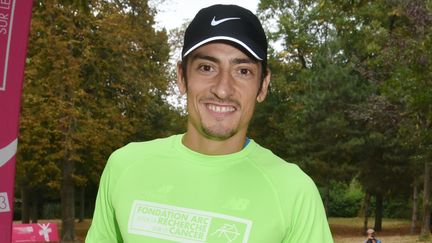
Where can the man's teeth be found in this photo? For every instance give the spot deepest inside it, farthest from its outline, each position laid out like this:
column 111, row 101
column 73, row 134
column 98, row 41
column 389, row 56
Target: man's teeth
column 220, row 109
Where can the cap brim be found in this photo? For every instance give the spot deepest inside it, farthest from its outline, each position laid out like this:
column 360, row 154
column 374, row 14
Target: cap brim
column 227, row 38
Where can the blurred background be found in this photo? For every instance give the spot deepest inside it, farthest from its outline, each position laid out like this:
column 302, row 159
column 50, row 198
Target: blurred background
column 350, row 102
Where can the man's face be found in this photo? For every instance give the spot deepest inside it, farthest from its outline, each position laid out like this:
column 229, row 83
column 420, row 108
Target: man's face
column 222, row 88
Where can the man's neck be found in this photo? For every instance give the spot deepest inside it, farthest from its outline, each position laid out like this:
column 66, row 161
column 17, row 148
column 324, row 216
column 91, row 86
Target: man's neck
column 201, row 144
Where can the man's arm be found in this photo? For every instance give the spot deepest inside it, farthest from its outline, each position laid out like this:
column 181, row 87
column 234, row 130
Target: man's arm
column 308, row 223
column 104, row 226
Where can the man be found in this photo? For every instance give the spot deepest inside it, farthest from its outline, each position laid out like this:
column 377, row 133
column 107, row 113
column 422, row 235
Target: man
column 371, row 237
column 211, row 184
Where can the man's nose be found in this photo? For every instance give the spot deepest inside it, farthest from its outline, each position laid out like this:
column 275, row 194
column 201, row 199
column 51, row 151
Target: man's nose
column 223, row 87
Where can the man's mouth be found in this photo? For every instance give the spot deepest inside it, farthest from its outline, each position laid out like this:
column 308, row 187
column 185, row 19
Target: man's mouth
column 220, row 108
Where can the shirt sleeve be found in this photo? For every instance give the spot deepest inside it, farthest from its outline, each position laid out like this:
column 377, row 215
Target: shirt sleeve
column 308, row 222
column 104, row 227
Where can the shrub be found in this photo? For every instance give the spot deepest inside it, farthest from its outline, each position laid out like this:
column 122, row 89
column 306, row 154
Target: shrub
column 345, row 200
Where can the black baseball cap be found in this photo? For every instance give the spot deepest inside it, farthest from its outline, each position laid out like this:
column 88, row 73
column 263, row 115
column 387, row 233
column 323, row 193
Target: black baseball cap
column 228, row 23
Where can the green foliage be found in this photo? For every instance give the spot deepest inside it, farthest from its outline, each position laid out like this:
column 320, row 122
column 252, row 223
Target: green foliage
column 95, row 79
column 345, row 200
column 313, row 86
column 350, row 94
column 397, row 207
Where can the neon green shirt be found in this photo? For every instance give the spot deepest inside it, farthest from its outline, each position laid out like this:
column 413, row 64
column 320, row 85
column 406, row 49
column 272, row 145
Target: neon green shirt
column 161, row 191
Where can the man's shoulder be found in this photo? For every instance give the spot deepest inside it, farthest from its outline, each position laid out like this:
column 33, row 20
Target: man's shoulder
column 266, row 159
column 135, row 150
column 155, row 144
column 288, row 180
column 278, row 169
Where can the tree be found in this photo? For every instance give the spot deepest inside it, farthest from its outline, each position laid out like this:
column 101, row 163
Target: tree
column 410, row 83
column 313, row 86
column 342, row 79
column 95, row 78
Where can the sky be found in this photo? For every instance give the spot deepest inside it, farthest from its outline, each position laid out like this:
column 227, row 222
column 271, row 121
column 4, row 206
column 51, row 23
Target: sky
column 173, row 13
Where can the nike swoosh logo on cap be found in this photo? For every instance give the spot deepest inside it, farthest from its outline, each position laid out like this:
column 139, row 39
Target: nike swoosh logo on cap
column 215, row 22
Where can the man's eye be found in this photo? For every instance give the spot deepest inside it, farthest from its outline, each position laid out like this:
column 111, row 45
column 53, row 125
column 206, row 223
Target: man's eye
column 244, row 71
column 205, row 68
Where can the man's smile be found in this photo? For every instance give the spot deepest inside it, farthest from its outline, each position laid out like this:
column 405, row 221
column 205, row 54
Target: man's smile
column 220, row 108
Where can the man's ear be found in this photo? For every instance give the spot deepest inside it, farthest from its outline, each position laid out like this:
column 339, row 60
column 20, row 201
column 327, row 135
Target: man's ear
column 264, row 87
column 181, row 82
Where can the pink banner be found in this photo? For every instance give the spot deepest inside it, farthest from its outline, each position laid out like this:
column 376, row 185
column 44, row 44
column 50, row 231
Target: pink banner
column 44, row 232
column 14, row 27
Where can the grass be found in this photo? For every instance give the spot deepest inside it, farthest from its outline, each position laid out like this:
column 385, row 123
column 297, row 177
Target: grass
column 344, row 230
column 350, row 230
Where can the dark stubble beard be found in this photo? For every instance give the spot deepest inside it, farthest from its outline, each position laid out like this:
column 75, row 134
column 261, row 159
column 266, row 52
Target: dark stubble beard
column 214, row 135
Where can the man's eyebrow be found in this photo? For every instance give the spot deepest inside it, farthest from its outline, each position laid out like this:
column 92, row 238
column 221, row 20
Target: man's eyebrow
column 243, row 60
column 239, row 60
column 204, row 57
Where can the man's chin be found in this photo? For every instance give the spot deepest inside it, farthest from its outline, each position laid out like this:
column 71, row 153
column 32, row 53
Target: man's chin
column 218, row 134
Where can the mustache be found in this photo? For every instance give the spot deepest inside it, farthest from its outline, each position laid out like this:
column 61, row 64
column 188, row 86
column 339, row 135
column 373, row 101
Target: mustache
column 227, row 101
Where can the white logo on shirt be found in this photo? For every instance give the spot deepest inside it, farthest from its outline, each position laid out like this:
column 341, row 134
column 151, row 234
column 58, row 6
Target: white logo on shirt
column 186, row 225
column 229, row 231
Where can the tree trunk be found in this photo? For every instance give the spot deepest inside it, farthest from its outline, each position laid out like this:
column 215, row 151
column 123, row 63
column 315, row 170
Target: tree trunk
column 68, row 202
column 25, row 207
column 327, row 200
column 301, row 58
column 366, row 203
column 82, row 204
column 378, row 212
column 34, row 208
column 425, row 229
column 414, row 209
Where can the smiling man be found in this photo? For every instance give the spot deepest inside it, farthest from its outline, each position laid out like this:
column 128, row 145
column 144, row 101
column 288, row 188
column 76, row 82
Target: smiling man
column 222, row 85
column 212, row 184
